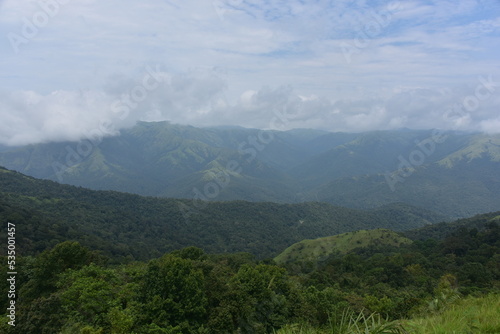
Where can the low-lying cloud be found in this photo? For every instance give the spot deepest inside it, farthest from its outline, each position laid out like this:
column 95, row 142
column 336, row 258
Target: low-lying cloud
column 198, row 98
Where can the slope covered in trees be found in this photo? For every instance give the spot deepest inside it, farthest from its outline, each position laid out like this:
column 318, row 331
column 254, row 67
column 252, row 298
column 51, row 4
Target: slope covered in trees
column 126, row 225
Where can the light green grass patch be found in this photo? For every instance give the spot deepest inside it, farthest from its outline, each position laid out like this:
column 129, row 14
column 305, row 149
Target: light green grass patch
column 318, row 249
column 468, row 315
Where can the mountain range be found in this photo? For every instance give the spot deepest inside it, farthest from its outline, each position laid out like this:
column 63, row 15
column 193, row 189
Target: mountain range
column 454, row 174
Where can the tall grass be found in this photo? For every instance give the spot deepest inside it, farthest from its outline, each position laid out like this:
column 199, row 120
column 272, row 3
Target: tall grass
column 468, row 315
column 464, row 316
column 350, row 323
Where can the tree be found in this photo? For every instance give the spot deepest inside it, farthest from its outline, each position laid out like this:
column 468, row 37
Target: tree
column 173, row 293
column 259, row 297
column 89, row 294
column 51, row 263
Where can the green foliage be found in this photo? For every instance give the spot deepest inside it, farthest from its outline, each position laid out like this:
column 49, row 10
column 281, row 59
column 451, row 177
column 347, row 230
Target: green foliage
column 89, row 294
column 121, row 321
column 173, row 293
column 367, row 290
column 373, row 323
column 445, row 294
column 41, row 316
column 317, row 306
column 51, row 263
column 468, row 315
column 261, row 292
column 350, row 322
column 128, row 227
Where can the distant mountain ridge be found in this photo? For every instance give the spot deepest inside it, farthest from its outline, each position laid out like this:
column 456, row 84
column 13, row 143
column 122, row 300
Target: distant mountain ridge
column 455, row 174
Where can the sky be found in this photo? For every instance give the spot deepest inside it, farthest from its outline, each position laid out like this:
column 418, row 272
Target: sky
column 71, row 68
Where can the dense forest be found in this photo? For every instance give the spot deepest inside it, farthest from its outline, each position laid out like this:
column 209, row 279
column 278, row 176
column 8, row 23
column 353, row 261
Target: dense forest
column 139, row 228
column 73, row 289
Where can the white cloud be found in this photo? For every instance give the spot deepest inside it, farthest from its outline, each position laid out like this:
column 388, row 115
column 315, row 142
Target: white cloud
column 490, row 125
column 216, row 56
column 63, row 115
column 198, row 98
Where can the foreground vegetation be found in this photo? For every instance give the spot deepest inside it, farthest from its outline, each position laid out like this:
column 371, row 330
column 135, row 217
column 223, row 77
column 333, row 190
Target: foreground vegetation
column 464, row 316
column 441, row 286
column 468, row 315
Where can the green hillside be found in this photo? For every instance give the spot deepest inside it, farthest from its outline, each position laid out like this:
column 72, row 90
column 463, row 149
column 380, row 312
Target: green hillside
column 480, row 146
column 466, row 189
column 321, row 248
column 127, row 225
column 460, row 179
column 444, row 229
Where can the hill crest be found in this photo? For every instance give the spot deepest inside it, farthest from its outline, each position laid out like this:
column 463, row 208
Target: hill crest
column 321, row 248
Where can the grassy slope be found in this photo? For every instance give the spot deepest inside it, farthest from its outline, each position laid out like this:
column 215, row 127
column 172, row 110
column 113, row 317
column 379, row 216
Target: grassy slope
column 479, row 146
column 469, row 315
column 313, row 250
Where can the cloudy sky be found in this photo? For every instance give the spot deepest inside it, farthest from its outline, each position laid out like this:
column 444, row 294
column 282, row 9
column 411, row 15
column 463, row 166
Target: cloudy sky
column 73, row 67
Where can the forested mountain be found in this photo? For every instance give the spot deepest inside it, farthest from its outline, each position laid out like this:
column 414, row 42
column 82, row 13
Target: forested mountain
column 123, row 224
column 443, row 230
column 453, row 173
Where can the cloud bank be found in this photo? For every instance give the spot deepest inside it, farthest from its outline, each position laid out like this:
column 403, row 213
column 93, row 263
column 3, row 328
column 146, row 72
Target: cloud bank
column 199, row 99
column 68, row 67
